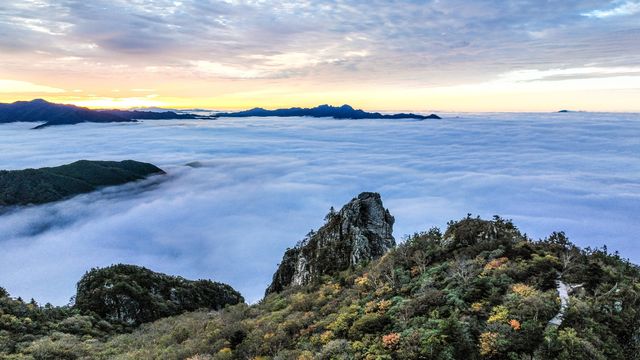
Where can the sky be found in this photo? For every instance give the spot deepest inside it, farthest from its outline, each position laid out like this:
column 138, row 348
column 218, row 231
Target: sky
column 456, row 55
column 263, row 183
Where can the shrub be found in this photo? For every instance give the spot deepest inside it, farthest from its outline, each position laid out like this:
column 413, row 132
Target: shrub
column 368, row 324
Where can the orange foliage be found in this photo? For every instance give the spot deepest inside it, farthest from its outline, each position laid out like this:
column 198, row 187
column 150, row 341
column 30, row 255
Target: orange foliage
column 496, row 264
column 391, row 341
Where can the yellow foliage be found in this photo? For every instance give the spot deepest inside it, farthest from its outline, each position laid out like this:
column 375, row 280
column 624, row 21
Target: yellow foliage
column 305, row 355
column 383, row 290
column 199, row 357
column 336, row 288
column 477, row 306
column 362, row 282
column 499, row 314
column 326, row 336
column 488, row 343
column 370, row 307
column 495, row 264
column 225, row 350
column 357, row 346
column 523, row 290
column 330, row 289
column 383, row 306
column 343, row 321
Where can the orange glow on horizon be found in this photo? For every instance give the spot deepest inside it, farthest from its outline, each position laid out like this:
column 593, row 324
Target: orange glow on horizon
column 613, row 94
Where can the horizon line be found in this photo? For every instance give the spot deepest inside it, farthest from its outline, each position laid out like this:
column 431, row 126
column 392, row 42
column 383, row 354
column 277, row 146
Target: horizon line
column 168, row 107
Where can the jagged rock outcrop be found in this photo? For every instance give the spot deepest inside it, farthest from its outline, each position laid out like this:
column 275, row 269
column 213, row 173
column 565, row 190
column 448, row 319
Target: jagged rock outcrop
column 360, row 231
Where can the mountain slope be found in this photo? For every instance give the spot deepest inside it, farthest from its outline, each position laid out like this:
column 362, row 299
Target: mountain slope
column 479, row 290
column 37, row 186
column 109, row 301
column 342, row 112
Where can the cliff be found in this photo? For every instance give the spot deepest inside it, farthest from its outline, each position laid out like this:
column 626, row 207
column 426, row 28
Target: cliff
column 360, row 231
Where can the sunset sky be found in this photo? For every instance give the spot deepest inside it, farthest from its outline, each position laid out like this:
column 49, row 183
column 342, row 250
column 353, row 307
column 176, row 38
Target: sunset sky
column 457, row 55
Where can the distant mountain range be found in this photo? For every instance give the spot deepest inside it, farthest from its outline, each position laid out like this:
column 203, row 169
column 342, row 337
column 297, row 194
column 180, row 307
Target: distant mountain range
column 336, row 112
column 50, row 114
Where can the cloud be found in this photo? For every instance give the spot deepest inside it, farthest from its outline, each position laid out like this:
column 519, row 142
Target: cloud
column 408, row 42
column 118, row 103
column 626, row 8
column 264, row 183
column 18, row 86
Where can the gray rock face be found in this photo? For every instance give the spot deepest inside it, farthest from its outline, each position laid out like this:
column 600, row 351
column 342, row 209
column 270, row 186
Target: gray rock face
column 360, row 231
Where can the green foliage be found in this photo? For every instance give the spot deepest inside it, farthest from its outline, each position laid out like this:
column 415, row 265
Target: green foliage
column 135, row 295
column 368, row 324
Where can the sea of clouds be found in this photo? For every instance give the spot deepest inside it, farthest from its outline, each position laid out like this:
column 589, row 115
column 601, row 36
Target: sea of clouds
column 260, row 184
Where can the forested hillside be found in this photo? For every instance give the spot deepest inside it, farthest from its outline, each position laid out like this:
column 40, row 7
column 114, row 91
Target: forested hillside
column 480, row 290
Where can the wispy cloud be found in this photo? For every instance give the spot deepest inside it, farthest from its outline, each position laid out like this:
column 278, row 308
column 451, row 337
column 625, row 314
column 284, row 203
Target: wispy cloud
column 17, row 86
column 432, row 42
column 619, row 9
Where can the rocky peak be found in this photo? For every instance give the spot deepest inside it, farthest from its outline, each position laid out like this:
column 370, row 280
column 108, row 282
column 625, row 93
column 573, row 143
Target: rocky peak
column 360, row 231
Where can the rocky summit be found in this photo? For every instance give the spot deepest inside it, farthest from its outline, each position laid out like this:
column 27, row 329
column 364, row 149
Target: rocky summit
column 360, row 231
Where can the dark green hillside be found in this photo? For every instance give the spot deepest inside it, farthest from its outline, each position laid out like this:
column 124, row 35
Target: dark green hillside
column 37, row 186
column 134, row 295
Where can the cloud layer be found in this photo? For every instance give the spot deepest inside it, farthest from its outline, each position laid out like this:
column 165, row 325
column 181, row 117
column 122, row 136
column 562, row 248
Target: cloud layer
column 264, row 183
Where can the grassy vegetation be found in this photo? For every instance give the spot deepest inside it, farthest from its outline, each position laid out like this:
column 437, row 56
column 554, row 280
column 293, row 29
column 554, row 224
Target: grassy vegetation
column 480, row 290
